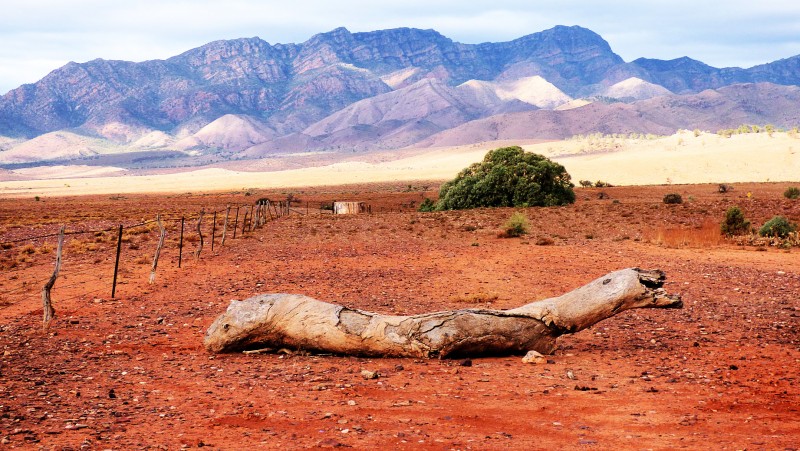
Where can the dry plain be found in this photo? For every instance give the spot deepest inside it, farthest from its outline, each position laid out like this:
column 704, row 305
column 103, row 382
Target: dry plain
column 130, row 372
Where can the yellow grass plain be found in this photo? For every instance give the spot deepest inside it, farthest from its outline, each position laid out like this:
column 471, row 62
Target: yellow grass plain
column 682, row 158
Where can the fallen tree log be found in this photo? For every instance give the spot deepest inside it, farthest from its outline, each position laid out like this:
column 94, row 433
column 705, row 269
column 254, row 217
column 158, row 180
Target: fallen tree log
column 300, row 322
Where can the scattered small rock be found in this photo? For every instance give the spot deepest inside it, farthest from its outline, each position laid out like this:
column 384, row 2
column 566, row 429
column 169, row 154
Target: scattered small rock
column 533, row 357
column 585, row 388
column 465, row 362
column 367, row 374
column 330, row 443
column 571, row 375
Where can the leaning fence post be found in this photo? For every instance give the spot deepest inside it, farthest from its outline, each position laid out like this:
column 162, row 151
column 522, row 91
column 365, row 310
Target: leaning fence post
column 116, row 264
column 163, row 233
column 180, row 243
column 199, row 232
column 236, row 222
column 213, row 231
column 244, row 221
column 225, row 226
column 49, row 311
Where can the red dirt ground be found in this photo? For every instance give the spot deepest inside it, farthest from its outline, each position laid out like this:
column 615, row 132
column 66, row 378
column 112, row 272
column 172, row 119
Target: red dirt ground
column 131, row 372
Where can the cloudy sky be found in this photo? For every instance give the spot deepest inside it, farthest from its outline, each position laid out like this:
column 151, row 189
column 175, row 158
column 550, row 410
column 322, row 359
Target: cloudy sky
column 37, row 36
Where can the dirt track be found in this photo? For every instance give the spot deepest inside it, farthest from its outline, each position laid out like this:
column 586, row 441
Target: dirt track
column 131, row 373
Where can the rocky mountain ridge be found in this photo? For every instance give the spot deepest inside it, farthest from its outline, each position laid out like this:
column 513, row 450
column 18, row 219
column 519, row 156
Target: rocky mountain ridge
column 246, row 98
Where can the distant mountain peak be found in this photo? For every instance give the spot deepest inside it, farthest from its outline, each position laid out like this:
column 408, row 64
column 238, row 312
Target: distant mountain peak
column 369, row 90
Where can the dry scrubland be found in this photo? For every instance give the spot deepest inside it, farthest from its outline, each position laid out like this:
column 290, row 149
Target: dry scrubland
column 678, row 159
column 131, row 373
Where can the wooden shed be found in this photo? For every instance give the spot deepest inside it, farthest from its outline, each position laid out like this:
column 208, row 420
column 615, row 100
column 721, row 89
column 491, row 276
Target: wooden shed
column 349, row 208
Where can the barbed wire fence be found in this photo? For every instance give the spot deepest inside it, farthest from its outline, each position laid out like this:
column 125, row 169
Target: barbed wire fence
column 95, row 261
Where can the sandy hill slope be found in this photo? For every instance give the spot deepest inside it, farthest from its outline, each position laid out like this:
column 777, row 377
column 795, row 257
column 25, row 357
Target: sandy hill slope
column 534, row 90
column 61, row 145
column 231, row 132
column 634, row 89
column 676, row 159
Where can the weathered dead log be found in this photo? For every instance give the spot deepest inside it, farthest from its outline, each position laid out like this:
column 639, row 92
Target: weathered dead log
column 295, row 321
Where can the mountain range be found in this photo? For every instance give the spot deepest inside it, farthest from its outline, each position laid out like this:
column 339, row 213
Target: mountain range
column 362, row 92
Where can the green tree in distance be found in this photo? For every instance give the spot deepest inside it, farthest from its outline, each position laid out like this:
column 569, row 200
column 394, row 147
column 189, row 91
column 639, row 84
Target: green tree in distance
column 508, row 177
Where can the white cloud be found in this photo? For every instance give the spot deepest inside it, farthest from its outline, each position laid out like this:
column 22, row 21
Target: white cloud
column 36, row 33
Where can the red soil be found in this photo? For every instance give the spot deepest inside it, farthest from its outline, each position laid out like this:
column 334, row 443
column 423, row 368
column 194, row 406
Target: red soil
column 131, row 372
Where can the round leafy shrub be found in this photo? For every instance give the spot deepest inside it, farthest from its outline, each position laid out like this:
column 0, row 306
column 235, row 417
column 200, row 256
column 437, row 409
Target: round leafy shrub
column 427, row 205
column 673, row 198
column 777, row 226
column 735, row 223
column 517, row 225
column 508, row 177
column 792, row 192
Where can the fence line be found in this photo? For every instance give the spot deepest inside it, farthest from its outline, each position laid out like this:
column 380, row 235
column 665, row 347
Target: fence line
column 255, row 217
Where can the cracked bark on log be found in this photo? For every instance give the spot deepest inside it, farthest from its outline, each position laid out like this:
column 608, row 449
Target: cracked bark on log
column 300, row 322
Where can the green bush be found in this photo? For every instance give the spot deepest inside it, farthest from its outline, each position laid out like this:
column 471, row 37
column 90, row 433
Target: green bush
column 777, row 226
column 427, row 205
column 735, row 223
column 508, row 177
column 517, row 225
column 673, row 198
column 792, row 192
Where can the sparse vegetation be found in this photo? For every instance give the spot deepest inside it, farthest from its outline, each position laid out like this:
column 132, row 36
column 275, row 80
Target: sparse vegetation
column 673, row 198
column 427, row 205
column 517, row 225
column 792, row 192
column 745, row 129
column 508, row 177
column 602, row 184
column 586, row 183
column 778, row 226
column 734, row 223
column 724, row 188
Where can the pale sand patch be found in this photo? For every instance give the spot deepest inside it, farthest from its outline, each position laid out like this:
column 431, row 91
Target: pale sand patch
column 678, row 159
column 63, row 172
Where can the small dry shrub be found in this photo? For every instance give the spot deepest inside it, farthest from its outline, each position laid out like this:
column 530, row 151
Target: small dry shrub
column 480, row 297
column 517, row 225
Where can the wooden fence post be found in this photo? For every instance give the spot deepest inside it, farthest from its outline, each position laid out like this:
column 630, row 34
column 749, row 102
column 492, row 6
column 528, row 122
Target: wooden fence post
column 225, row 226
column 162, row 234
column 116, row 264
column 49, row 311
column 213, row 231
column 199, row 232
column 244, row 221
column 180, row 243
column 236, row 222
